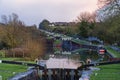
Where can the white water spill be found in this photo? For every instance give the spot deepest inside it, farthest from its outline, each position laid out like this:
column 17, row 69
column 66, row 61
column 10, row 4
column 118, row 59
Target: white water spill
column 0, row 61
column 62, row 63
column 86, row 73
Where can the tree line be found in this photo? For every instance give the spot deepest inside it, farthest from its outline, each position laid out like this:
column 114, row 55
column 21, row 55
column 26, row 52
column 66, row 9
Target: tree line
column 104, row 23
column 19, row 40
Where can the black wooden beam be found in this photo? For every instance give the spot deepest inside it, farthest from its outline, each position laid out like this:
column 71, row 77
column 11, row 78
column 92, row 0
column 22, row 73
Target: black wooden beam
column 22, row 63
column 41, row 67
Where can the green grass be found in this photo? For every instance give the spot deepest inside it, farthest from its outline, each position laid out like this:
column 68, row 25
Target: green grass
column 9, row 70
column 107, row 72
column 115, row 53
column 17, row 59
column 12, row 59
column 57, row 42
column 80, row 41
column 79, row 50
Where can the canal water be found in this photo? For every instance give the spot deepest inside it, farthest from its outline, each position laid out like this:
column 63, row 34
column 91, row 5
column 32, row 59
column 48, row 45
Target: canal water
column 58, row 52
column 69, row 50
column 61, row 62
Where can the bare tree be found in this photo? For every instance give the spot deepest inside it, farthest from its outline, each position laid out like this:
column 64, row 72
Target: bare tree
column 86, row 16
column 35, row 48
column 109, row 17
column 85, row 23
column 14, row 31
column 4, row 19
column 110, row 7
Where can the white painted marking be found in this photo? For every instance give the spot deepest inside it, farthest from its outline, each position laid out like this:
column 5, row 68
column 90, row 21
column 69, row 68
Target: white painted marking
column 0, row 61
column 0, row 77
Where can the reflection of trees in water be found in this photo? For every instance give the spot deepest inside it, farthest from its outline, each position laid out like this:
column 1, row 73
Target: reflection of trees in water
column 93, row 55
column 49, row 45
column 82, row 55
column 74, row 56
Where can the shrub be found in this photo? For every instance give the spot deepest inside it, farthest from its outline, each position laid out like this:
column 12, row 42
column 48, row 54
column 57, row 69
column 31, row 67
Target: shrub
column 2, row 54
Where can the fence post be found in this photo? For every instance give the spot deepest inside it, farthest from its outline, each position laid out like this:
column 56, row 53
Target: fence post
column 72, row 74
column 40, row 72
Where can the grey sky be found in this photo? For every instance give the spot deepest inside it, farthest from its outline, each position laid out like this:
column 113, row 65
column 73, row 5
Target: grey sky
column 33, row 11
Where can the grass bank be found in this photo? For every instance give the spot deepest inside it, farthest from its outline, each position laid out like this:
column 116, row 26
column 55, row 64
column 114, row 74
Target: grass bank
column 113, row 52
column 80, row 41
column 9, row 70
column 107, row 72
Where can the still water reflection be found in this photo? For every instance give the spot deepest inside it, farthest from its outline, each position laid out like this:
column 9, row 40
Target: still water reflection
column 78, row 54
column 59, row 58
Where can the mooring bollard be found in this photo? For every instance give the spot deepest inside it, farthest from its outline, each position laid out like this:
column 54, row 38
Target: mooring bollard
column 40, row 72
column 50, row 74
column 72, row 74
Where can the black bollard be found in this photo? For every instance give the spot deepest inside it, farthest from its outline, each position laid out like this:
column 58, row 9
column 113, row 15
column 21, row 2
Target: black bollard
column 49, row 74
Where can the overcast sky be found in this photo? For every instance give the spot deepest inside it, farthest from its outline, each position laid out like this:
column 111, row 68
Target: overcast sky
column 34, row 11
